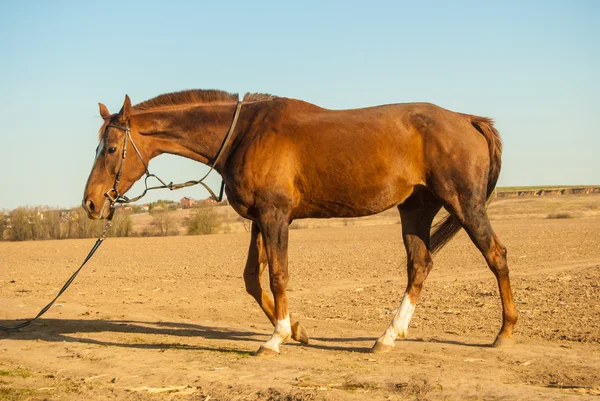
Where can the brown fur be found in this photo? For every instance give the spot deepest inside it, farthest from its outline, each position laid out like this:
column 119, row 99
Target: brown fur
column 445, row 229
column 289, row 159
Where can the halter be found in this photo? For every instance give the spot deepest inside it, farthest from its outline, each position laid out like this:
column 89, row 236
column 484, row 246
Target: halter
column 114, row 196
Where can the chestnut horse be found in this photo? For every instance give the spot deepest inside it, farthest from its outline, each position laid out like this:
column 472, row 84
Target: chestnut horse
column 288, row 159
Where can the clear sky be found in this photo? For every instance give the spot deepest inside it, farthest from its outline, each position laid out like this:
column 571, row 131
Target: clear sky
column 532, row 65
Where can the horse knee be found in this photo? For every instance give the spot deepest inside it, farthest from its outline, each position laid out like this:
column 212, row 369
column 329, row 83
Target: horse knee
column 278, row 282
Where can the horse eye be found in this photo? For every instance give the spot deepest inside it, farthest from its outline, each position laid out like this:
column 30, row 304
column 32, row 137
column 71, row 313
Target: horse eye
column 112, row 150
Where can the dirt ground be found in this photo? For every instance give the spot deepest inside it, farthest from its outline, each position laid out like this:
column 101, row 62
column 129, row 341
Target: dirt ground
column 168, row 318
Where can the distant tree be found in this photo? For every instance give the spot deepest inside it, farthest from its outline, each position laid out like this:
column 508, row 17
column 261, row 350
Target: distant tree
column 85, row 227
column 52, row 224
column 203, row 221
column 122, row 226
column 36, row 223
column 27, row 223
column 20, row 228
column 161, row 203
column 163, row 223
column 136, row 208
column 3, row 224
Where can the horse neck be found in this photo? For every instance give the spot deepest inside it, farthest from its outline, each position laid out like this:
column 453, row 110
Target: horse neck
column 196, row 133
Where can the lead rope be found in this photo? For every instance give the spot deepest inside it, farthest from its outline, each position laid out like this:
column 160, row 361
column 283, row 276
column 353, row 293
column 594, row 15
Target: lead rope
column 68, row 283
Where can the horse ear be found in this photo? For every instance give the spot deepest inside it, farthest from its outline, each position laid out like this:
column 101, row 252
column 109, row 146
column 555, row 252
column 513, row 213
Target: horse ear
column 104, row 113
column 126, row 110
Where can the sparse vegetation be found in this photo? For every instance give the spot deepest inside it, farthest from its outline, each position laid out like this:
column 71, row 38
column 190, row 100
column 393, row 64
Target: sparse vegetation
column 533, row 187
column 297, row 226
column 163, row 223
column 15, row 372
column 122, row 226
column 353, row 384
column 562, row 215
column 161, row 204
column 204, row 221
column 17, row 394
column 2, row 225
column 41, row 223
column 136, row 208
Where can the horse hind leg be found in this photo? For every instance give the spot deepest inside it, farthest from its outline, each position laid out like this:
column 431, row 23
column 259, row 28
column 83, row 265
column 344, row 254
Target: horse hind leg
column 477, row 224
column 472, row 215
column 417, row 214
column 255, row 267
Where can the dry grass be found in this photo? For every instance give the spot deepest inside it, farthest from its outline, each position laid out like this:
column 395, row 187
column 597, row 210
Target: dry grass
column 15, row 372
column 533, row 187
column 542, row 207
column 560, row 216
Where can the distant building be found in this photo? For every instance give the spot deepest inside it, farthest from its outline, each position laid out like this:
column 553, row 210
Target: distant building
column 187, row 202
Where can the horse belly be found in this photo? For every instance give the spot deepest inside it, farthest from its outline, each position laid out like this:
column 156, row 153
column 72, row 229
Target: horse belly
column 353, row 195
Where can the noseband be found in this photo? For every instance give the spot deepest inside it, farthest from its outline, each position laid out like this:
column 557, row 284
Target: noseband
column 114, row 196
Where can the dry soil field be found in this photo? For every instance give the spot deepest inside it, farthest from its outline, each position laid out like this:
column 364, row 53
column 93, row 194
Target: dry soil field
column 168, row 318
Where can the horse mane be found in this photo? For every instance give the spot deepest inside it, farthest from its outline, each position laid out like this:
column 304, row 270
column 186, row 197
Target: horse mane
column 257, row 97
column 197, row 96
column 191, row 97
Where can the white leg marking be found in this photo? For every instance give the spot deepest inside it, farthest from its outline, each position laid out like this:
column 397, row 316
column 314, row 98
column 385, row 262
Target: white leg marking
column 399, row 325
column 282, row 333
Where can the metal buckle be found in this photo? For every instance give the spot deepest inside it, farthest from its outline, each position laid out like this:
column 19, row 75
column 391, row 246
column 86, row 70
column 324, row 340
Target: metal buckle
column 110, row 198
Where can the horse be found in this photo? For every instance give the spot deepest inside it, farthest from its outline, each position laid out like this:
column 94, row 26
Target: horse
column 287, row 159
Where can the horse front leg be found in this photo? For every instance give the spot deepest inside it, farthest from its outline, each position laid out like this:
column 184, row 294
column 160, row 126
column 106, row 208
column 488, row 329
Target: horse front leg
column 273, row 226
column 255, row 266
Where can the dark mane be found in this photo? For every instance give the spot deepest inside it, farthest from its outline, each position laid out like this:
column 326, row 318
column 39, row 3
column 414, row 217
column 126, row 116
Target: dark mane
column 197, row 96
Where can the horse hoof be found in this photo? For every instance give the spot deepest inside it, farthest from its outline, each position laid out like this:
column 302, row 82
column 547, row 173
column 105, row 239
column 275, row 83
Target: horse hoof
column 299, row 333
column 380, row 348
column 265, row 352
column 503, row 342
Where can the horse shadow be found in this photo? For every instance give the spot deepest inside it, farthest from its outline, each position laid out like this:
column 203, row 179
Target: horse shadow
column 371, row 340
column 70, row 331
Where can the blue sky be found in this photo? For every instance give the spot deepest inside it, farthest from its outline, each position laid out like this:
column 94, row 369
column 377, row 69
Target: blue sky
column 533, row 66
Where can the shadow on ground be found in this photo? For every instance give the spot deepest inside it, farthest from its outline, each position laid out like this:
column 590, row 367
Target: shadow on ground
column 69, row 330
column 73, row 330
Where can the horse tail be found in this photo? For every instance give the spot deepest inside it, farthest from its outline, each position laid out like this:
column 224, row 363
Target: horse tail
column 445, row 229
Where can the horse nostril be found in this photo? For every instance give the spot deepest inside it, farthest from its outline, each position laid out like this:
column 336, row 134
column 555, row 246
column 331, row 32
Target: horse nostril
column 90, row 205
